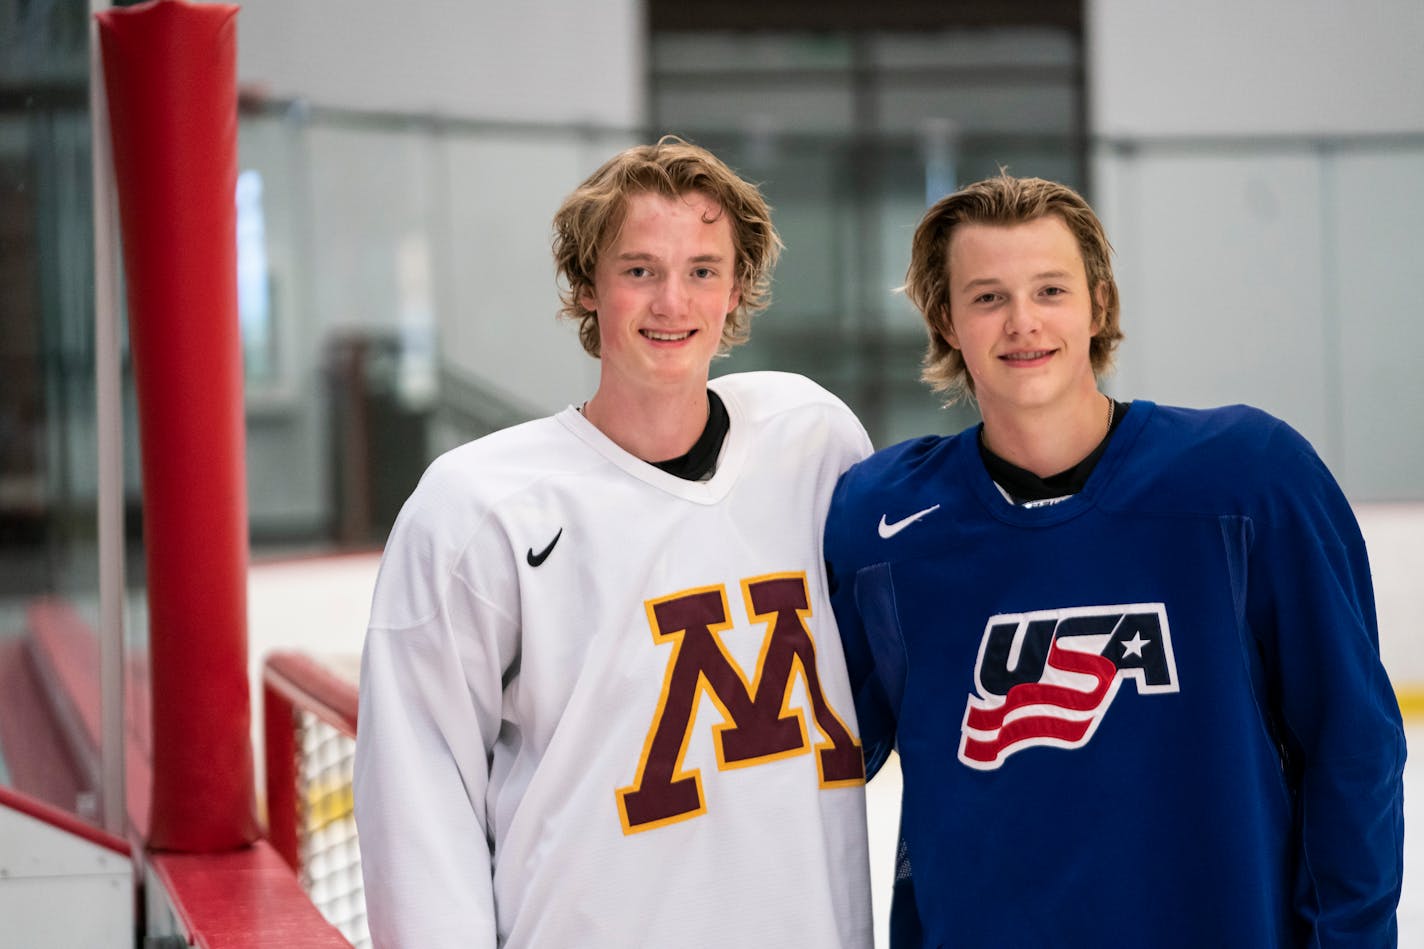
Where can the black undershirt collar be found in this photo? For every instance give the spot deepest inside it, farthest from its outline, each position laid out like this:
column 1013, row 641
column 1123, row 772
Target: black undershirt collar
column 701, row 459
column 1024, row 486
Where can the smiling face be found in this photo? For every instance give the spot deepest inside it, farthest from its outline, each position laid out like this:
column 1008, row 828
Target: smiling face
column 662, row 291
column 1021, row 314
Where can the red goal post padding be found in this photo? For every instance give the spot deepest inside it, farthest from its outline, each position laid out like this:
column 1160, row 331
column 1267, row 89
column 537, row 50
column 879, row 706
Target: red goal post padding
column 170, row 84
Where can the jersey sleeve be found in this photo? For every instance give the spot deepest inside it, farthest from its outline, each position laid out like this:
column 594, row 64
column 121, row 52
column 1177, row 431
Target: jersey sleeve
column 855, row 590
column 1311, row 604
column 430, row 709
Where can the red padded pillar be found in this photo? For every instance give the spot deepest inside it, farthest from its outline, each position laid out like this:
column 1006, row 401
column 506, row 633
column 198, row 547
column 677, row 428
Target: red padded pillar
column 170, row 71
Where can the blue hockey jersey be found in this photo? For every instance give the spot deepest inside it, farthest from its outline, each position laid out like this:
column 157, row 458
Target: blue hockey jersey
column 1149, row 714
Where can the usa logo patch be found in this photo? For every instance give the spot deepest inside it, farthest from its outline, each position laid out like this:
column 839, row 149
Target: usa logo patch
column 1046, row 679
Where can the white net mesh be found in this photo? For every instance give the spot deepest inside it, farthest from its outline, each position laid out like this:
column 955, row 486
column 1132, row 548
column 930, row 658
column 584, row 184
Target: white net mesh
column 330, row 861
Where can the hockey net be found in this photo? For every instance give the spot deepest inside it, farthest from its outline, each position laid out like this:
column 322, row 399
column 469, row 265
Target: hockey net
column 309, row 714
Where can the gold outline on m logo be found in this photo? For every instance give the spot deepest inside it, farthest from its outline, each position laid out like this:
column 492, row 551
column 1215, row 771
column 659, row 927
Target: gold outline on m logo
column 757, row 724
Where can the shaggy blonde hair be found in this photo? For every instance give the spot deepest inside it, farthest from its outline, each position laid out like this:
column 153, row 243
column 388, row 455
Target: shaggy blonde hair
column 593, row 214
column 1003, row 201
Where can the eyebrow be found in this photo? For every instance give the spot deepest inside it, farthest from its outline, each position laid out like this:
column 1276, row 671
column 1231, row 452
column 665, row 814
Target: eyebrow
column 633, row 255
column 994, row 281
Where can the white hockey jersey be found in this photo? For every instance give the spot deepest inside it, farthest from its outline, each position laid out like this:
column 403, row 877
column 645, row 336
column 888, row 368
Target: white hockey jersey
column 602, row 706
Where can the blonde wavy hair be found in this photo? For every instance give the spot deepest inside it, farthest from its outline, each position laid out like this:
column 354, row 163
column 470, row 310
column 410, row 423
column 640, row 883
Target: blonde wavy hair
column 593, row 213
column 1002, row 201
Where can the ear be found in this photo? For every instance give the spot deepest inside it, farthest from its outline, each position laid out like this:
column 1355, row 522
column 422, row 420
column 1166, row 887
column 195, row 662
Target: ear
column 1100, row 308
column 588, row 299
column 949, row 335
column 735, row 299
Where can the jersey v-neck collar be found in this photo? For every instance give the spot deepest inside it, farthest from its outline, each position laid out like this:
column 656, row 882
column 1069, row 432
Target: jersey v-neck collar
column 699, row 462
column 714, row 489
column 1028, row 489
column 1046, row 514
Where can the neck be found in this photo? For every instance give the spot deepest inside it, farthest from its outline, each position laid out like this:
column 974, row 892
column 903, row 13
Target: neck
column 651, row 426
column 1048, row 440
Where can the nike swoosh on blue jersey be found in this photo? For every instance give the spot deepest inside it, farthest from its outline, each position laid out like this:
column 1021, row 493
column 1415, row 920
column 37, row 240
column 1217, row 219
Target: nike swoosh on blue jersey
column 888, row 531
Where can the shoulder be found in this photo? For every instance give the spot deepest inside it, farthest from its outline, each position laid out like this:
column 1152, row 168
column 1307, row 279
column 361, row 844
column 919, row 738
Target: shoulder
column 900, row 481
column 1234, row 458
column 481, row 471
column 787, row 398
column 1233, row 437
column 456, row 509
column 903, row 466
column 461, row 493
column 766, row 392
column 1244, row 461
column 1228, row 424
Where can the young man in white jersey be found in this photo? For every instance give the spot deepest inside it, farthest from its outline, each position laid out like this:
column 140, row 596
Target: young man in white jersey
column 1127, row 652
column 603, row 700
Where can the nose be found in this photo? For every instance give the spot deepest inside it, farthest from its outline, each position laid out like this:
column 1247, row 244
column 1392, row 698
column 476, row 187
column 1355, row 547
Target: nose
column 1020, row 318
column 670, row 298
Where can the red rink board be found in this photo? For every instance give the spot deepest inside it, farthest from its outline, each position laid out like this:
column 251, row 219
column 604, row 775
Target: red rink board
column 241, row 899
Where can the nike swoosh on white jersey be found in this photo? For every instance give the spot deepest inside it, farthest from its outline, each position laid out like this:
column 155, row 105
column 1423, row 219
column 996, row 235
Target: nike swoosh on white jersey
column 888, row 531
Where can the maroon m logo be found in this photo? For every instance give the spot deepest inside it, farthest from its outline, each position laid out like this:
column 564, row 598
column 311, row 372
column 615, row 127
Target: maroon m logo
column 757, row 724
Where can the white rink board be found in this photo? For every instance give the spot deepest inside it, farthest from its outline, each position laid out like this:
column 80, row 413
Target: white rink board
column 58, row 889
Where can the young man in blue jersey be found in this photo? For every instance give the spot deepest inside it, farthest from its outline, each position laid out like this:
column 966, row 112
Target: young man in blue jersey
column 1126, row 652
